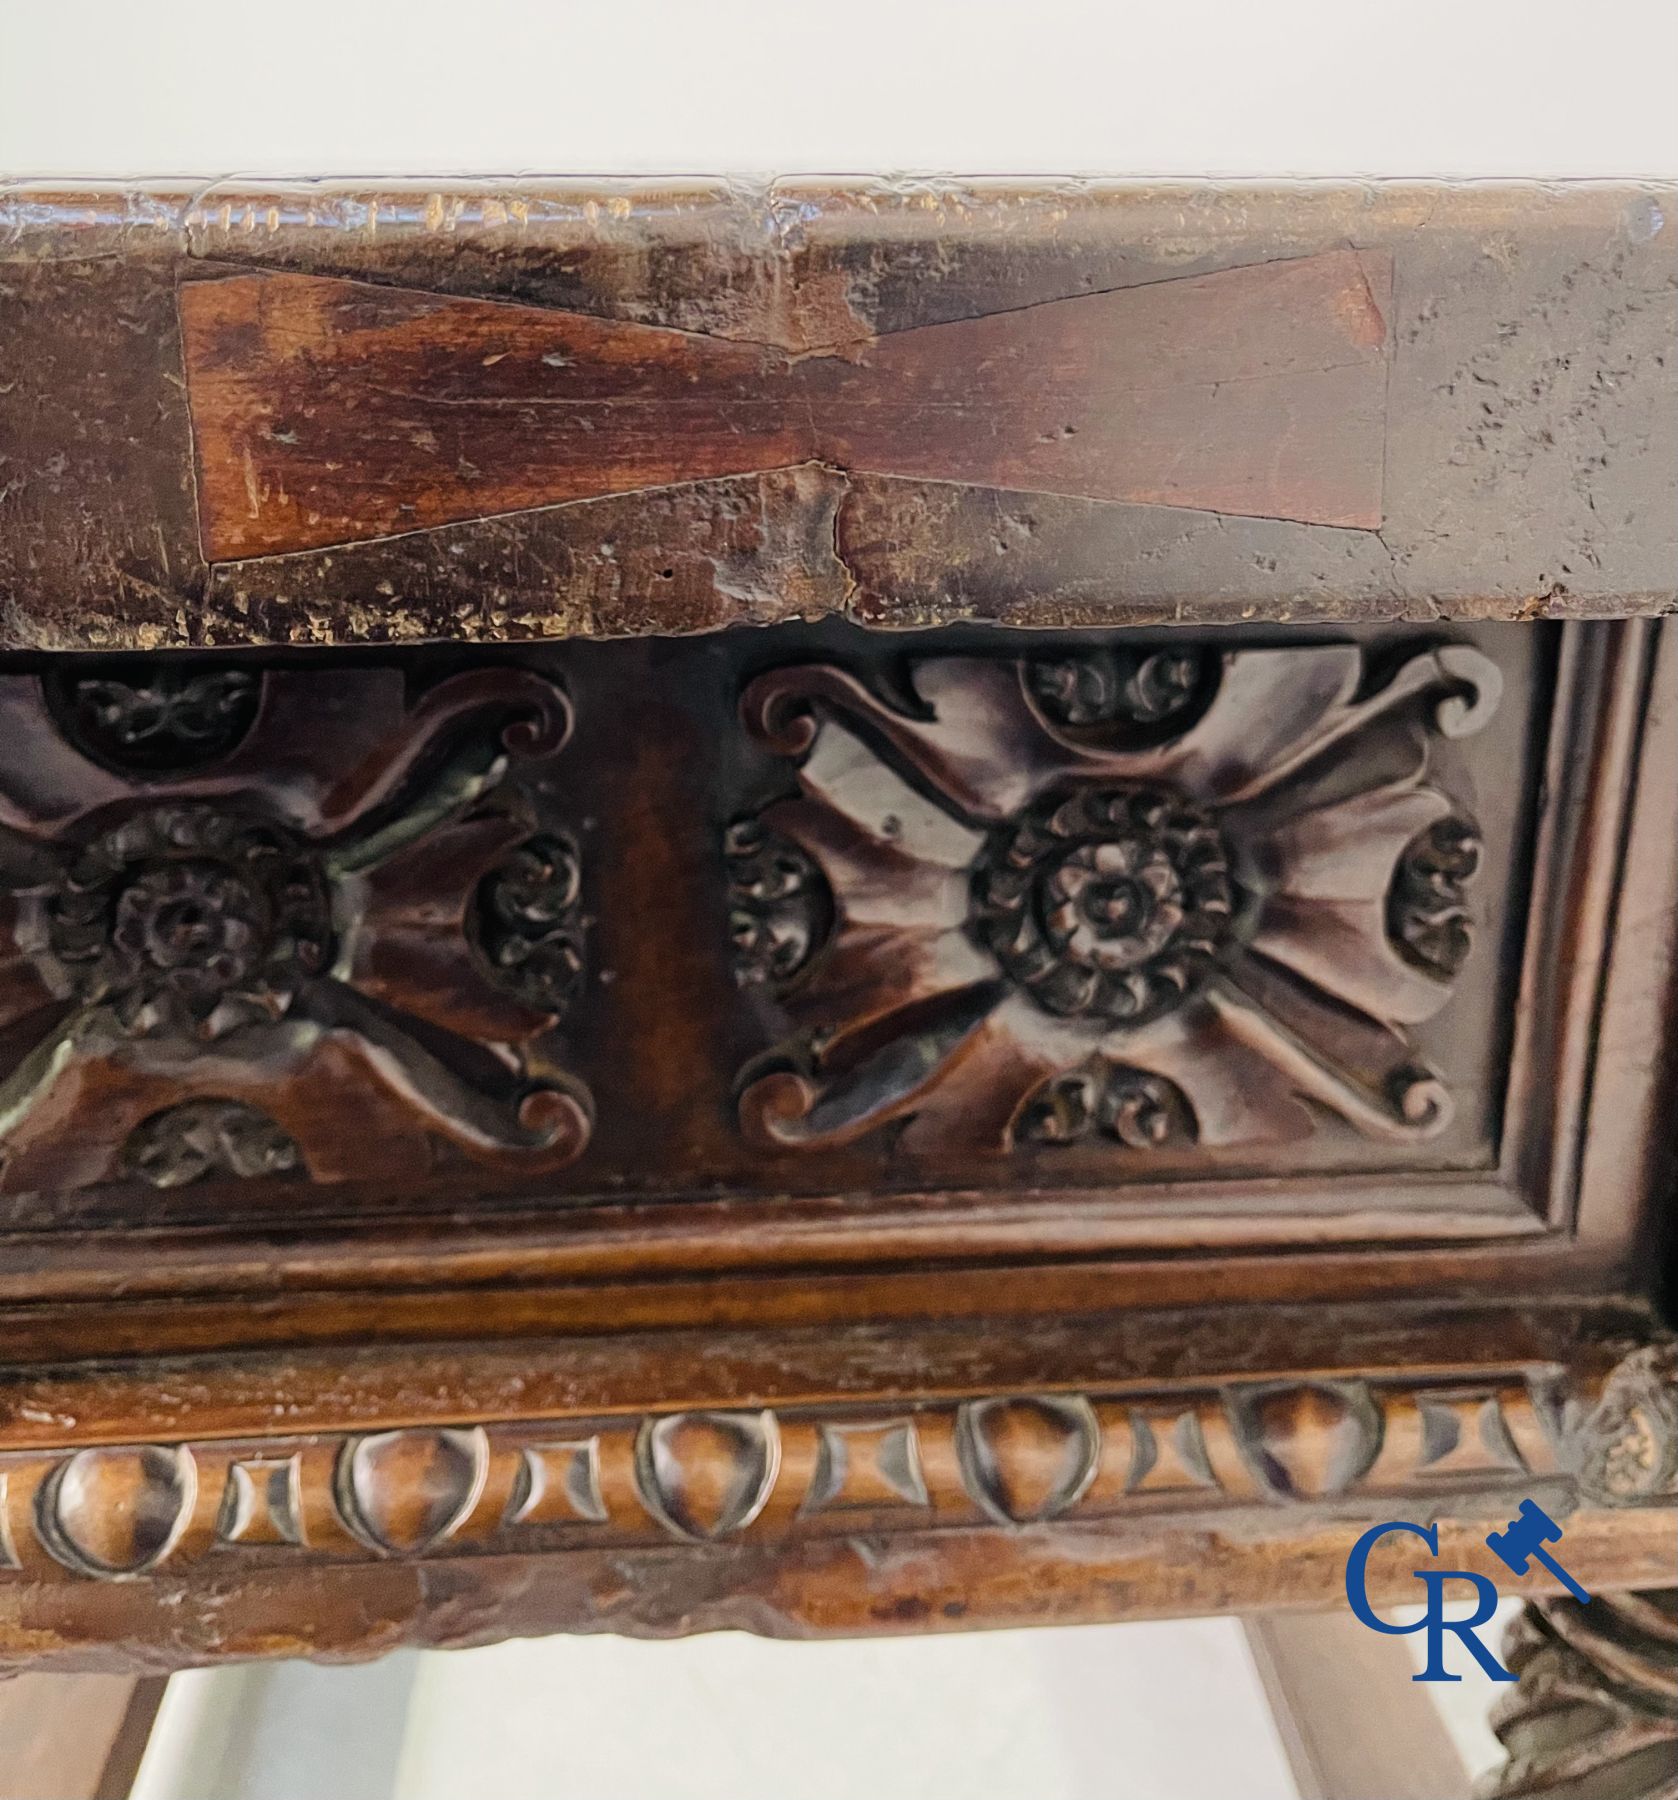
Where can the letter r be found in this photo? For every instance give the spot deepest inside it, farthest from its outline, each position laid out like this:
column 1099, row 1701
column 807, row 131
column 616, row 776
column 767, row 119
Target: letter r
column 1438, row 1624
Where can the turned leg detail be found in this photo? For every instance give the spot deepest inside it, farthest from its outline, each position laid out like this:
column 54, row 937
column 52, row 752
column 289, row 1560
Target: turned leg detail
column 1594, row 1711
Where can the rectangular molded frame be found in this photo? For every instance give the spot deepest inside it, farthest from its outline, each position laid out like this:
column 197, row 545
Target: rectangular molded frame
column 1567, row 1203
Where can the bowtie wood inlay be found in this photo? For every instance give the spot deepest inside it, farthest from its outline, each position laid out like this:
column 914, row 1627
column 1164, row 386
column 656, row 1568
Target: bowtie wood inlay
column 328, row 411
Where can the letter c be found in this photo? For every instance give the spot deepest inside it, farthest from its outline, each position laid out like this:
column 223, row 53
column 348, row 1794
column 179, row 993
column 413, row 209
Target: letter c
column 1357, row 1567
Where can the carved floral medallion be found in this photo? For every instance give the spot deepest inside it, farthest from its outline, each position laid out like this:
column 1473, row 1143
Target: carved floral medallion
column 279, row 923
column 1193, row 897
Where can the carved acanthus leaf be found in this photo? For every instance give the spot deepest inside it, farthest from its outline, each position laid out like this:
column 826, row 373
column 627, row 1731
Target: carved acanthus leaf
column 281, row 920
column 1172, row 863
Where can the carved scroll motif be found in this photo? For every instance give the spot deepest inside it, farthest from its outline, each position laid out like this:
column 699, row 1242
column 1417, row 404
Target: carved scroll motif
column 208, row 1139
column 1180, row 898
column 780, row 909
column 528, row 922
column 279, row 922
column 1353, row 1445
column 169, row 717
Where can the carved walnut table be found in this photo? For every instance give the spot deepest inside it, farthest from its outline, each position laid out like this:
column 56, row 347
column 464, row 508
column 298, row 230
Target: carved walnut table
column 836, row 910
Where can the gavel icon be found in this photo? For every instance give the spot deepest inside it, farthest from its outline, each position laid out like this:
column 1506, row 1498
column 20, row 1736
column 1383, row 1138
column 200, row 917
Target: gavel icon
column 1523, row 1541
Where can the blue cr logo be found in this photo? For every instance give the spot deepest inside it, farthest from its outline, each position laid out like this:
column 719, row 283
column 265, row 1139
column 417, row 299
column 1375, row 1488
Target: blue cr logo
column 1433, row 1619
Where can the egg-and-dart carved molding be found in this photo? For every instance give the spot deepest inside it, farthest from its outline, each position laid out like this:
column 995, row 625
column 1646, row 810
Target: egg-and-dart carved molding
column 1200, row 897
column 700, row 1476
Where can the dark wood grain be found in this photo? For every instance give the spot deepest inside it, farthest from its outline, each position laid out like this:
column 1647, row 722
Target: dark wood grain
column 327, row 412
column 374, row 1127
column 828, row 1128
column 1524, row 426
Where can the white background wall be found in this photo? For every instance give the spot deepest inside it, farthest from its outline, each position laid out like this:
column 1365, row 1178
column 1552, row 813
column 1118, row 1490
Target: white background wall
column 1170, row 1710
column 1537, row 87
column 1081, row 1714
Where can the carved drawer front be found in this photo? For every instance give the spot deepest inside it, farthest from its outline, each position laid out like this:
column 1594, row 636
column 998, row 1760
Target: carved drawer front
column 1073, row 943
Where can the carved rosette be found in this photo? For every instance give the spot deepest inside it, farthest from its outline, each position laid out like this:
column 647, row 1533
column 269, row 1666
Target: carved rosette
column 191, row 921
column 261, row 924
column 1156, row 900
column 1625, row 1449
column 1108, row 902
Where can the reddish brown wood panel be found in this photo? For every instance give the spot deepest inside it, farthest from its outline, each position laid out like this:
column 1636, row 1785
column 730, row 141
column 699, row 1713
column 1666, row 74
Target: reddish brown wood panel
column 291, row 892
column 1257, row 392
column 328, row 411
column 1180, row 966
column 963, row 376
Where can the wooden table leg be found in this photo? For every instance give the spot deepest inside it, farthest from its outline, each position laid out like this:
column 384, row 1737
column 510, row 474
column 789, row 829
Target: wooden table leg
column 1594, row 1712
column 74, row 1737
column 1353, row 1724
